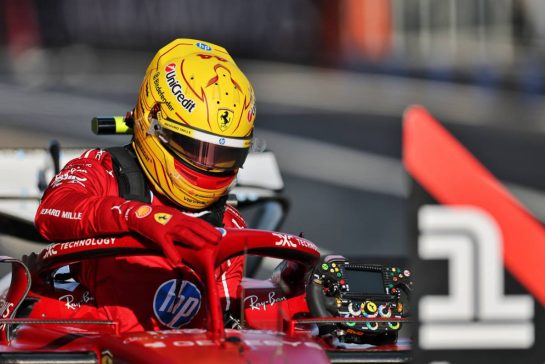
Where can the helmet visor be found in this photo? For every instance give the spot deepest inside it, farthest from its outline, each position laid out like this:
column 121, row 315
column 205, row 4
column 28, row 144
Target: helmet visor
column 205, row 150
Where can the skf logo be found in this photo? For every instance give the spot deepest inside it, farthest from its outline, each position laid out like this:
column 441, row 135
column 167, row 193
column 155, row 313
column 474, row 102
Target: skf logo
column 176, row 303
column 162, row 217
column 476, row 314
column 225, row 117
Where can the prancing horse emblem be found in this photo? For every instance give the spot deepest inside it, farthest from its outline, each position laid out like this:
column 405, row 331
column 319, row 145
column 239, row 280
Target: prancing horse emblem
column 225, row 117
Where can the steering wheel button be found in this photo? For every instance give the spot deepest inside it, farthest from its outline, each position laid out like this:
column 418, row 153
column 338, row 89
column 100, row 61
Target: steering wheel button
column 332, row 270
column 325, row 266
column 394, row 325
column 384, row 310
column 372, row 325
column 354, row 309
column 333, row 265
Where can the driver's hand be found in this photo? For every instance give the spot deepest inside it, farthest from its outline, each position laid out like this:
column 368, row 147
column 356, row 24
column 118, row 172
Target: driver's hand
column 166, row 226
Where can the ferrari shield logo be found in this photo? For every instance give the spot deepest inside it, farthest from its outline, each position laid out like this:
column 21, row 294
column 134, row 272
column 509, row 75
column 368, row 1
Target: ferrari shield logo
column 162, row 217
column 225, row 117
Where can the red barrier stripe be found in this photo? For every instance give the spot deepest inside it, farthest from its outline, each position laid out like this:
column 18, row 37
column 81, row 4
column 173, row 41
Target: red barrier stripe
column 453, row 176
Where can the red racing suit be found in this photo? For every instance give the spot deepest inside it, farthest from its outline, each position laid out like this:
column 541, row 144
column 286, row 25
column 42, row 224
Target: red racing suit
column 78, row 204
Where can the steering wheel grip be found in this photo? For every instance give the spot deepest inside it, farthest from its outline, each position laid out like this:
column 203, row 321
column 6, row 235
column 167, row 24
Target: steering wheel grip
column 315, row 300
column 318, row 303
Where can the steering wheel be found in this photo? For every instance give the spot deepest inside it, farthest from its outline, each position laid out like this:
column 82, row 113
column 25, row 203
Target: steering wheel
column 340, row 288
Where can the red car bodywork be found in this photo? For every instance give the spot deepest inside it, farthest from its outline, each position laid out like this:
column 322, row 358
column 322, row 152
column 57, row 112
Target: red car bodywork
column 270, row 315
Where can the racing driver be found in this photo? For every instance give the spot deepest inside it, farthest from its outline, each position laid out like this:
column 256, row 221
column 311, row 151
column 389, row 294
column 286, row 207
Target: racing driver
column 193, row 125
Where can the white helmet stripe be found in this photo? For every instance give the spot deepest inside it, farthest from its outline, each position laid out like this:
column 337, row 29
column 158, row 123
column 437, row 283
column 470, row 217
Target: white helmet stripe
column 206, row 137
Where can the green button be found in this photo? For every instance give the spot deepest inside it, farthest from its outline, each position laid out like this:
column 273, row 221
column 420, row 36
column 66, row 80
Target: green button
column 394, row 325
column 391, row 285
column 350, row 324
column 325, row 266
column 339, row 275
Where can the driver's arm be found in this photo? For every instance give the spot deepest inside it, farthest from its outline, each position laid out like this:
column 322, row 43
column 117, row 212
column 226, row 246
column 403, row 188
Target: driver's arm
column 82, row 201
column 231, row 271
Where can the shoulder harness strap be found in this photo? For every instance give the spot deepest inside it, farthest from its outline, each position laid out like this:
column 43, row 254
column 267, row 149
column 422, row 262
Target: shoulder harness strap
column 130, row 179
column 132, row 183
column 216, row 212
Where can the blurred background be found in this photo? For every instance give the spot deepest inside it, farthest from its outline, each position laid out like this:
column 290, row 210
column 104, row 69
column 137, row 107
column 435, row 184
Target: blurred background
column 332, row 79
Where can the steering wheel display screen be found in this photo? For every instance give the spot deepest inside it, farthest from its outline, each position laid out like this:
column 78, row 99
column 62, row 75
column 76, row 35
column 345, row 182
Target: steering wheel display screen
column 365, row 281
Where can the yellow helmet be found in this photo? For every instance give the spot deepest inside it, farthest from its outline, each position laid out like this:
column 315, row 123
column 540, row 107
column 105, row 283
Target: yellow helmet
column 193, row 122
